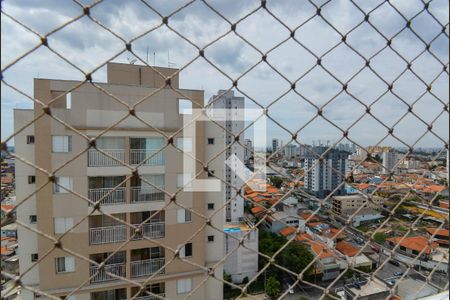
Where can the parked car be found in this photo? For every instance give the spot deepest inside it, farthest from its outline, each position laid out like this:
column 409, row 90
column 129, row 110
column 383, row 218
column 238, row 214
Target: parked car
column 391, row 282
column 399, row 273
column 394, row 262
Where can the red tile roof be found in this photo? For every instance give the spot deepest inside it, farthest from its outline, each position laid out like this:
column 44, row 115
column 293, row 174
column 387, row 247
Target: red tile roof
column 442, row 232
column 320, row 249
column 346, row 248
column 417, row 243
column 287, row 231
column 7, row 207
column 303, row 237
column 257, row 209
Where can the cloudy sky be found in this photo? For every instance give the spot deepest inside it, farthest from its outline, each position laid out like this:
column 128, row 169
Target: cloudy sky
column 87, row 45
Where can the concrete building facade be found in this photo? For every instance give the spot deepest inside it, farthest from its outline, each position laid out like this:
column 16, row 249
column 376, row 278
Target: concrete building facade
column 290, row 151
column 275, row 144
column 343, row 204
column 390, row 159
column 61, row 208
column 323, row 176
column 234, row 124
column 248, row 150
column 242, row 261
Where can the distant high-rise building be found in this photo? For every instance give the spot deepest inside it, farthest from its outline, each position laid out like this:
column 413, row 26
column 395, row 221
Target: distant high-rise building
column 323, row 176
column 235, row 124
column 359, row 154
column 275, row 144
column 248, row 150
column 302, row 150
column 448, row 182
column 390, row 159
column 290, row 151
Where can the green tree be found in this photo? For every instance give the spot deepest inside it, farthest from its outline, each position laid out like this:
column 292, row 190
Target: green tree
column 295, row 257
column 380, row 237
column 396, row 198
column 276, row 181
column 273, row 287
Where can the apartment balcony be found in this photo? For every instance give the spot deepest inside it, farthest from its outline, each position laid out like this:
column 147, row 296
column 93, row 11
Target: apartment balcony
column 108, row 234
column 104, row 274
column 150, row 230
column 151, row 297
column 110, row 197
column 138, row 156
column 146, row 194
column 147, row 267
column 98, row 159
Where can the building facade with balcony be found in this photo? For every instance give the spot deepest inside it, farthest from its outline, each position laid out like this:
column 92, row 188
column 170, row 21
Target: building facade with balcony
column 325, row 171
column 123, row 223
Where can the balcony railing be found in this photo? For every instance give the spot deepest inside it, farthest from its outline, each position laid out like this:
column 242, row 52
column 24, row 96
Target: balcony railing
column 139, row 155
column 151, row 297
column 98, row 159
column 150, row 230
column 118, row 196
column 146, row 194
column 102, row 275
column 108, row 234
column 147, row 267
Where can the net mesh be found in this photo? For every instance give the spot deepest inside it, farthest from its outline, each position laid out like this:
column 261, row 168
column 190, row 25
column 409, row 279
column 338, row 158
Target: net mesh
column 406, row 46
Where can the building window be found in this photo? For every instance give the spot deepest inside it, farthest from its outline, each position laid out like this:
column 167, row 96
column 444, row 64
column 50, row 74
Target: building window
column 31, row 179
column 65, row 264
column 33, row 219
column 210, row 238
column 30, row 139
column 184, row 286
column 69, row 100
column 184, row 144
column 184, row 107
column 34, row 257
column 61, row 143
column 186, row 251
column 63, row 225
column 210, row 206
column 210, row 141
column 184, row 215
column 62, row 185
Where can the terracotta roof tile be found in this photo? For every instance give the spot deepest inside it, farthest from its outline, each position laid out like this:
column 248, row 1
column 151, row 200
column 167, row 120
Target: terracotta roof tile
column 286, row 231
column 442, row 232
column 346, row 248
column 417, row 243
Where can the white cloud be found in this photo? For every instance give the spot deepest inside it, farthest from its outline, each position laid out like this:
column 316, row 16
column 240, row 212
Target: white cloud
column 87, row 45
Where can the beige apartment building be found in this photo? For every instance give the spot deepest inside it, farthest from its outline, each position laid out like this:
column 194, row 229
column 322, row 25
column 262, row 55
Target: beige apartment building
column 344, row 204
column 146, row 257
